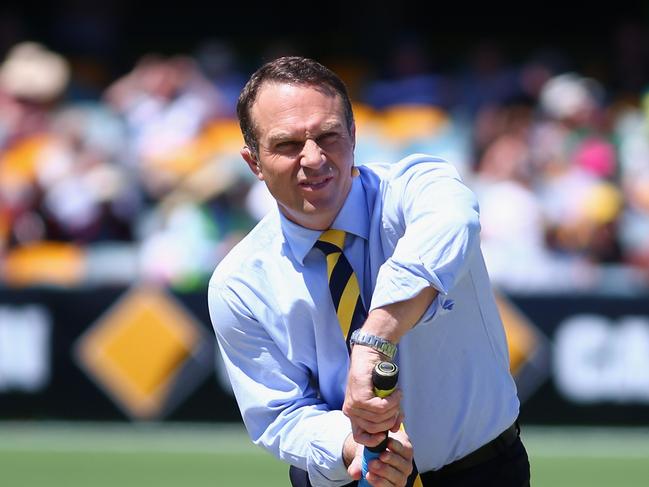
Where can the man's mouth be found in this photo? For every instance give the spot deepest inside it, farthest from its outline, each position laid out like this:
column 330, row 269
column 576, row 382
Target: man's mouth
column 315, row 184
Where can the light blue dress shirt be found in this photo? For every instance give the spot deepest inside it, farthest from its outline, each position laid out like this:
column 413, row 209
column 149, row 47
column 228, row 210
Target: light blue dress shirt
column 413, row 224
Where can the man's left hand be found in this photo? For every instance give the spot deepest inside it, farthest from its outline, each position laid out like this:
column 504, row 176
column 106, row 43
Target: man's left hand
column 370, row 416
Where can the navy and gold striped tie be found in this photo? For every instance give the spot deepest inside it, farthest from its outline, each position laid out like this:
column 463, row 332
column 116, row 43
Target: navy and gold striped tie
column 345, row 293
column 343, row 283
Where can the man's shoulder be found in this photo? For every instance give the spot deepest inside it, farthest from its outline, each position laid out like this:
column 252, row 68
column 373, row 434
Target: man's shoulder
column 243, row 261
column 406, row 165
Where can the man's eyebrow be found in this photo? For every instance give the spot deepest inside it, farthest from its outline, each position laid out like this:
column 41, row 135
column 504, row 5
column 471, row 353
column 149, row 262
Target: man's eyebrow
column 332, row 125
column 279, row 137
column 283, row 135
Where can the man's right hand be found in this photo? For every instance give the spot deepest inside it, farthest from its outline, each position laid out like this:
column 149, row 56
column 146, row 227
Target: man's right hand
column 391, row 469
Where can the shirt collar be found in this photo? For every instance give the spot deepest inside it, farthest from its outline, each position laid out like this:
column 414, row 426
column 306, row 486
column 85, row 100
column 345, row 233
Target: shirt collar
column 352, row 218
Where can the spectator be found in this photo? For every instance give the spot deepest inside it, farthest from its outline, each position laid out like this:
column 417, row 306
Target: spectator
column 32, row 83
column 558, row 159
column 166, row 102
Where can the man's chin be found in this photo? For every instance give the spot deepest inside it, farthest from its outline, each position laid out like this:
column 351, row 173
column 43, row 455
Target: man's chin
column 315, row 216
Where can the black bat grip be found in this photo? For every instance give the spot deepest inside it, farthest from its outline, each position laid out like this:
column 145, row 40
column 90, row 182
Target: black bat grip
column 384, row 379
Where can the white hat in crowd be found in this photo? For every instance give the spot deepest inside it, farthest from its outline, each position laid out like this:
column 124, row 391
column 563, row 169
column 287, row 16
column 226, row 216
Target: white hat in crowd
column 32, row 72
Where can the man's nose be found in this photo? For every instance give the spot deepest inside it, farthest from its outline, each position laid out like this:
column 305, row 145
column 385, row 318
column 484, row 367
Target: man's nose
column 312, row 155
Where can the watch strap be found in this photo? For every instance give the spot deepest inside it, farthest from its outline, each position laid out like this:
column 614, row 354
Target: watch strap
column 377, row 343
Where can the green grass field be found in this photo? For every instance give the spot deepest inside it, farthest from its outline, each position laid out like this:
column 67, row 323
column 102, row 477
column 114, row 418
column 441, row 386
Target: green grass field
column 161, row 455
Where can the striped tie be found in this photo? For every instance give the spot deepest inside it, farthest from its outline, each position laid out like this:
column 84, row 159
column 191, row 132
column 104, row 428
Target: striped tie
column 343, row 283
column 345, row 293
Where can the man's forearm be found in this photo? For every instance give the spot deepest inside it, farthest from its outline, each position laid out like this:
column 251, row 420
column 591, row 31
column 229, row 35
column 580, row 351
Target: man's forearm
column 394, row 320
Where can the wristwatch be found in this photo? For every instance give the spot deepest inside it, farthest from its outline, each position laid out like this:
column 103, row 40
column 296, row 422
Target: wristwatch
column 379, row 344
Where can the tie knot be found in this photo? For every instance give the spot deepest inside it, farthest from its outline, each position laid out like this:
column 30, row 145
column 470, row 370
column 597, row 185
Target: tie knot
column 331, row 241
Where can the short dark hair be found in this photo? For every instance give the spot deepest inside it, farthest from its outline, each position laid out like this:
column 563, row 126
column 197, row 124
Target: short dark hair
column 292, row 70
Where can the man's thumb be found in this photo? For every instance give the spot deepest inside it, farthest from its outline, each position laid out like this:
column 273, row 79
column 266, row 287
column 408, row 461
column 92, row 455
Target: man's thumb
column 354, row 468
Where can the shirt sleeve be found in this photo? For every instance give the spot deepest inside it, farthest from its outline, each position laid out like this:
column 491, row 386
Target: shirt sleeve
column 435, row 218
column 279, row 404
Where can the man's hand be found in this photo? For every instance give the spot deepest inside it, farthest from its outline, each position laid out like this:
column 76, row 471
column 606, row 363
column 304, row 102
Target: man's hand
column 370, row 416
column 391, row 469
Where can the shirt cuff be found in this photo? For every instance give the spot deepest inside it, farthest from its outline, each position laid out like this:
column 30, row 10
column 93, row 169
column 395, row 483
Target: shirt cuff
column 325, row 463
column 396, row 284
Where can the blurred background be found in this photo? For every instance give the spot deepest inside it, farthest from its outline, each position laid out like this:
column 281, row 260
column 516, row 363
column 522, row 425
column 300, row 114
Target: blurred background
column 121, row 188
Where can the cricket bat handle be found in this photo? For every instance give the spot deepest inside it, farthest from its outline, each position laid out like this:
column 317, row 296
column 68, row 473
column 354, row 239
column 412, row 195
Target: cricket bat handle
column 384, row 379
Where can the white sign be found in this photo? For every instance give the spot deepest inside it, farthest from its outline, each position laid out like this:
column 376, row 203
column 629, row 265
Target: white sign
column 24, row 348
column 597, row 359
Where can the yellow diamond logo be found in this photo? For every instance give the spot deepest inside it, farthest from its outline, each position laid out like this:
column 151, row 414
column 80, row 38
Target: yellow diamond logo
column 528, row 348
column 138, row 349
column 521, row 339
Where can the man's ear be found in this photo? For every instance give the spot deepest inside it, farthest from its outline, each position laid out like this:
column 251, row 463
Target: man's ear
column 252, row 162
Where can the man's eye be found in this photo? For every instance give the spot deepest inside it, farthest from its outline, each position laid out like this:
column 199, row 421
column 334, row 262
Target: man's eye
column 328, row 138
column 289, row 145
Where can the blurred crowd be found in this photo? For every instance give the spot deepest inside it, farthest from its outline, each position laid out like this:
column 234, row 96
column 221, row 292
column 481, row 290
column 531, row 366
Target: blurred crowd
column 144, row 182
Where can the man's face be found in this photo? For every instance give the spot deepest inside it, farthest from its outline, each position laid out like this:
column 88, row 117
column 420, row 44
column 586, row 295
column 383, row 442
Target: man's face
column 306, row 152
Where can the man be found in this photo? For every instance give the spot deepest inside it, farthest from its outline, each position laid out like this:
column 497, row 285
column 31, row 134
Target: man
column 411, row 236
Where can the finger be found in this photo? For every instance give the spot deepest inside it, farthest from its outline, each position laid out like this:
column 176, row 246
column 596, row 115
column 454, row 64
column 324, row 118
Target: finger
column 372, row 426
column 384, row 475
column 375, row 409
column 377, row 481
column 402, row 465
column 390, row 469
column 367, row 439
column 372, row 418
column 401, row 448
column 398, row 422
column 373, row 402
column 355, row 468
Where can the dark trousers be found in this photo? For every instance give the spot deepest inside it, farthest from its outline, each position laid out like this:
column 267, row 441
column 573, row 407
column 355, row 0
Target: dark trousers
column 510, row 468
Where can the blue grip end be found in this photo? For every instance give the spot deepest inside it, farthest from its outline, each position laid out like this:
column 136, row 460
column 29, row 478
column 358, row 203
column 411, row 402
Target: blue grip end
column 368, row 455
